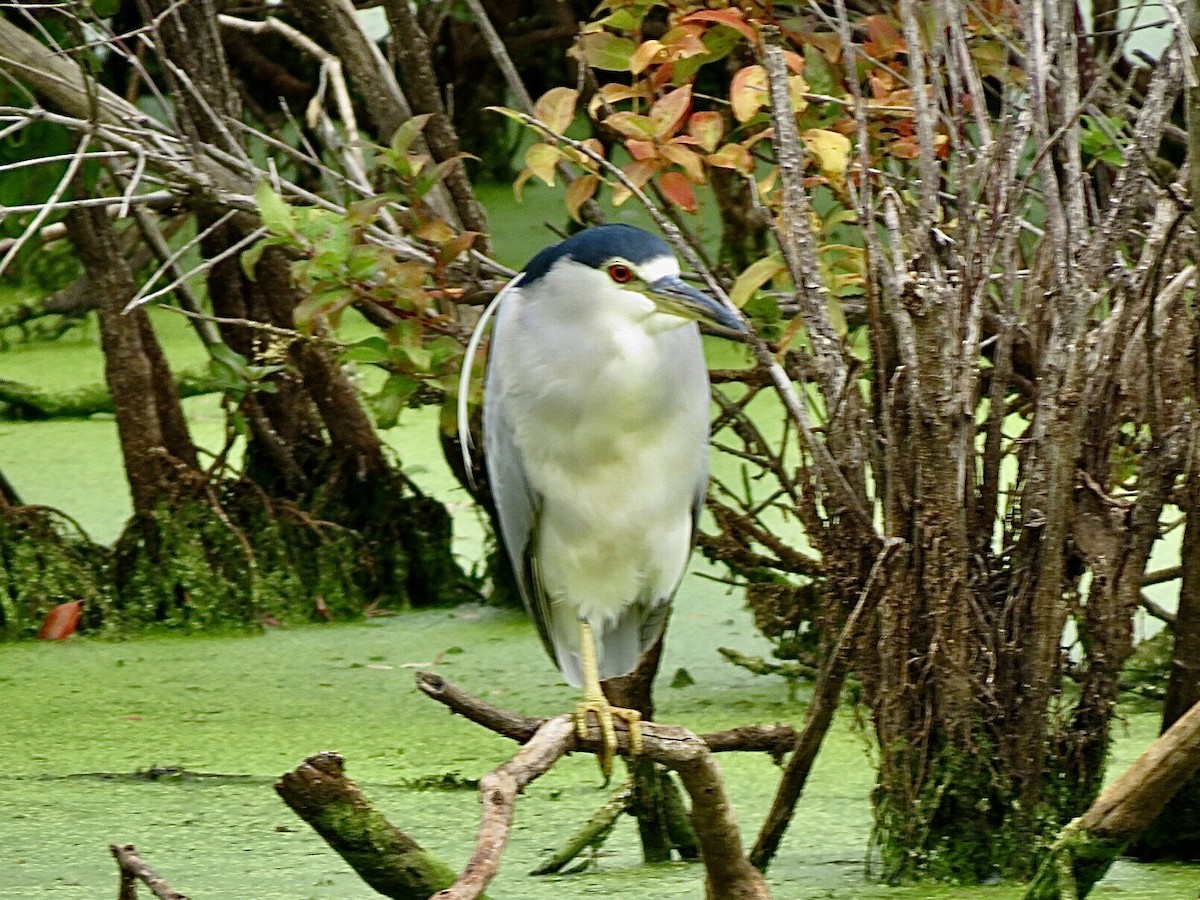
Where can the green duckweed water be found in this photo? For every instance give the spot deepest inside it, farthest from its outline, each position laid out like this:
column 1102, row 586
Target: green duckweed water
column 220, row 718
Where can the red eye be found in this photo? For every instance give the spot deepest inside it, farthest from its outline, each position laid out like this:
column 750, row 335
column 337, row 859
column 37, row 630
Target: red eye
column 620, row 274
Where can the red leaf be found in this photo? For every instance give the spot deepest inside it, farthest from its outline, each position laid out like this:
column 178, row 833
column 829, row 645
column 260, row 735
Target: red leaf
column 61, row 621
column 885, row 37
column 678, row 190
column 670, row 111
column 731, row 18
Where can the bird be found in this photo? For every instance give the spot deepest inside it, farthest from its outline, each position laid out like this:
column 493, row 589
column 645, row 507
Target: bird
column 596, row 439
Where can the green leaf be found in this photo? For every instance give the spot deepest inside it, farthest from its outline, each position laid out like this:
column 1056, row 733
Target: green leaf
column 513, row 114
column 363, row 212
column 373, row 349
column 323, row 303
column 392, row 398
column 407, row 133
column 819, row 74
column 420, row 357
column 602, row 50
column 249, row 258
column 277, row 216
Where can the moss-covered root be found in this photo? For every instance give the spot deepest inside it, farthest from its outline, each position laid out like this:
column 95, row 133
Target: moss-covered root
column 1075, row 862
column 45, row 560
column 384, row 857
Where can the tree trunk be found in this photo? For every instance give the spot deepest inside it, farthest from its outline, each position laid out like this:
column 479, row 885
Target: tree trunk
column 155, row 445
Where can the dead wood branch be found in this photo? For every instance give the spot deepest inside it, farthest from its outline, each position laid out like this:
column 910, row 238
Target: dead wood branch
column 386, row 858
column 32, row 402
column 134, row 869
column 819, row 716
column 774, row 739
column 498, row 795
column 590, row 834
column 1087, row 847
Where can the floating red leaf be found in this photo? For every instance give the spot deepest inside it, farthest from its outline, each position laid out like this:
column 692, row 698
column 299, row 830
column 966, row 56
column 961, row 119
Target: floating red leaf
column 61, row 621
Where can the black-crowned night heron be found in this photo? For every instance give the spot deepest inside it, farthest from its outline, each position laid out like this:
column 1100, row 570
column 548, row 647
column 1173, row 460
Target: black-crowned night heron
column 595, row 431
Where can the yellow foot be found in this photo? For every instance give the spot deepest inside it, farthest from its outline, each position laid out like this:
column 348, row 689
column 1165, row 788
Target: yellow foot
column 606, row 714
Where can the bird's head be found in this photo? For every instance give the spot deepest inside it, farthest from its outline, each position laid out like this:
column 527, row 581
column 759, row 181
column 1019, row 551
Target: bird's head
column 621, row 258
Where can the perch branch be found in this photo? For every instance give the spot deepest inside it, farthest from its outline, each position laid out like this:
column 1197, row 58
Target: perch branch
column 773, row 739
column 729, row 875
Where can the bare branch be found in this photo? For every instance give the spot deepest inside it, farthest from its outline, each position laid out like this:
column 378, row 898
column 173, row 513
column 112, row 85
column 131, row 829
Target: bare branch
column 134, row 869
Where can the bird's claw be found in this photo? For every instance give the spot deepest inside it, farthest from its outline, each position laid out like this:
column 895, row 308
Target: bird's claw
column 606, row 716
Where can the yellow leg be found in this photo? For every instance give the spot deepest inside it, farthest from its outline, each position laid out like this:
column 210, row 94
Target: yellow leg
column 594, row 701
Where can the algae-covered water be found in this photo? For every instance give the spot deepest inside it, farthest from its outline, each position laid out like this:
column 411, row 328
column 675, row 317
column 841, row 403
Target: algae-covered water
column 173, row 745
column 221, row 718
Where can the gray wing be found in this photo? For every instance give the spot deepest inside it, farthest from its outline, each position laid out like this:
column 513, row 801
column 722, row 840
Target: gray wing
column 517, row 504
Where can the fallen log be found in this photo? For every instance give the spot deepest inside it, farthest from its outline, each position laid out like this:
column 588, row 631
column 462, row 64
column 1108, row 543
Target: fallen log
column 28, row 401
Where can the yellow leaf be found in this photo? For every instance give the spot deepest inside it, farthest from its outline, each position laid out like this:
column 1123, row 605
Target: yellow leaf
column 748, row 92
column 579, row 192
column 707, row 128
column 732, row 156
column 519, row 184
column 670, row 110
column 638, row 172
column 797, row 88
column 831, row 151
column 614, row 93
column 556, row 108
column 632, row 125
column 754, row 277
column 645, row 54
column 541, row 160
